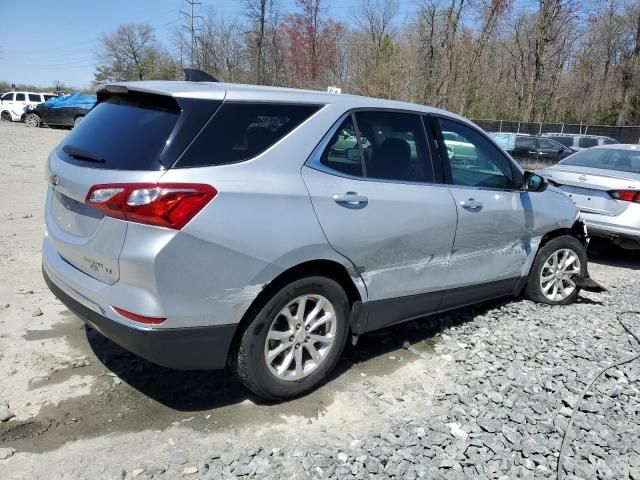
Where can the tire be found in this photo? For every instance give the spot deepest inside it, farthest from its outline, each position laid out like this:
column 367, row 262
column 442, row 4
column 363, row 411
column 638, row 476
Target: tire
column 77, row 120
column 249, row 360
column 5, row 116
column 32, row 120
column 561, row 246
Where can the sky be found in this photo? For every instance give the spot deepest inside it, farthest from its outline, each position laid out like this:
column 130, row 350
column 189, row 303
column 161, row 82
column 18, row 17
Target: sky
column 43, row 41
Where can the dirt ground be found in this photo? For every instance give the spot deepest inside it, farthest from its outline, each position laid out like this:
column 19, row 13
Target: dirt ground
column 84, row 408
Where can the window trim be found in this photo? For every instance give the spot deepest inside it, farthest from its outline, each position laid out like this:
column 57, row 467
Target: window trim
column 314, row 160
column 518, row 174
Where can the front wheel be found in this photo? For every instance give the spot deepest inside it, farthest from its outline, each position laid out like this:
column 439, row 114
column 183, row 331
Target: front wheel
column 553, row 274
column 32, row 120
column 294, row 340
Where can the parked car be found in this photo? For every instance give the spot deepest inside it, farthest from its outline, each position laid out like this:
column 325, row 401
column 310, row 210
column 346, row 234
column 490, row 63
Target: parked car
column 182, row 228
column 604, row 182
column 580, row 142
column 63, row 111
column 531, row 149
column 534, row 149
column 13, row 104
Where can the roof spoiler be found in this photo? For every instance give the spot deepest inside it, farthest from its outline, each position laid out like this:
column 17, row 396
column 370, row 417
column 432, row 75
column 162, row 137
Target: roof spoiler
column 195, row 75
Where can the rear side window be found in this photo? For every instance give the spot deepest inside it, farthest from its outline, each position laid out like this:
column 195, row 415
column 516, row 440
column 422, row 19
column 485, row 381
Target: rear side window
column 588, row 142
column 241, row 131
column 342, row 153
column 124, row 132
column 34, row 97
column 20, row 97
column 394, row 146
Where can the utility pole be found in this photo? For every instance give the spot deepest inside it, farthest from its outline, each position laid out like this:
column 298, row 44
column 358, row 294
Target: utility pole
column 190, row 27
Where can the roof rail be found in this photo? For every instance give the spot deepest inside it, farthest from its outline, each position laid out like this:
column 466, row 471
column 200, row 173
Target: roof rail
column 195, row 75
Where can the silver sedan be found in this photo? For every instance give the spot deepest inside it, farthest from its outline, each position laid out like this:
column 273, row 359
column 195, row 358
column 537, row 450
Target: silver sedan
column 604, row 182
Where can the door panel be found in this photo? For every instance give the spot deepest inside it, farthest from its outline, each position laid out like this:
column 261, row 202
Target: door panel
column 399, row 238
column 491, row 237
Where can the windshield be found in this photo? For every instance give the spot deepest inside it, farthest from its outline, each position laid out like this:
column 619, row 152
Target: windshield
column 605, row 158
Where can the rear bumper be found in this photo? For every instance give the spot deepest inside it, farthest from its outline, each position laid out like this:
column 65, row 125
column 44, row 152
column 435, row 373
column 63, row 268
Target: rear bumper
column 192, row 348
column 605, row 226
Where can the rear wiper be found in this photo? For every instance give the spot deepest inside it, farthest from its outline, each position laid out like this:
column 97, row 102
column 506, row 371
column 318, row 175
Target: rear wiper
column 81, row 154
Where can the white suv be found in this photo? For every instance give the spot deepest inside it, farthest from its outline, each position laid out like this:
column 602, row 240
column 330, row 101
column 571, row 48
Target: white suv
column 14, row 104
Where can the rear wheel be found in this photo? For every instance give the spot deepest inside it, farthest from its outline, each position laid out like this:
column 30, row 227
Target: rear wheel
column 32, row 120
column 552, row 276
column 294, row 340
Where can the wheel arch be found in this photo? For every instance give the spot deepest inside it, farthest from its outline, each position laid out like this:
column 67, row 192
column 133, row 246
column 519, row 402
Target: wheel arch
column 577, row 230
column 323, row 267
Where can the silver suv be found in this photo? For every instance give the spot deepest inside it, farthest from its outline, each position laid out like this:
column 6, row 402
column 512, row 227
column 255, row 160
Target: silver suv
column 206, row 224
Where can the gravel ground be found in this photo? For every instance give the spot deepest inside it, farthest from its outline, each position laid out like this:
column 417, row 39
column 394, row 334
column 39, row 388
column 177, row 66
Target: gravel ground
column 482, row 392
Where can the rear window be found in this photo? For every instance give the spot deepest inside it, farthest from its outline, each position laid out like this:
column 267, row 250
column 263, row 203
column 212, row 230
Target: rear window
column 240, row 131
column 124, row 132
column 606, row 158
column 586, row 142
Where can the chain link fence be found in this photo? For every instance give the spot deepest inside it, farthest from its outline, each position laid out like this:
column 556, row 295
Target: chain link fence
column 627, row 134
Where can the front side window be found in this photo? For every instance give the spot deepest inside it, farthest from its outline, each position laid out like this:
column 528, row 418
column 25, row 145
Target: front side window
column 342, row 153
column 20, row 97
column 566, row 140
column 7, row 97
column 549, row 144
column 394, row 146
column 586, row 142
column 241, row 131
column 473, row 159
column 525, row 143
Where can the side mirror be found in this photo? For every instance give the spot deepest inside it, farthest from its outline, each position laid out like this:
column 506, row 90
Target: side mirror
column 534, row 182
column 352, row 154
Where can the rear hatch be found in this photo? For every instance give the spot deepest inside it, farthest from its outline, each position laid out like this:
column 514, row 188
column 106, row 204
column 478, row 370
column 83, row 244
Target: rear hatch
column 128, row 137
column 589, row 187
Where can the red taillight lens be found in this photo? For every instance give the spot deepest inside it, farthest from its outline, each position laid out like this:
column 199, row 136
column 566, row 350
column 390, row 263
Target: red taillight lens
column 626, row 195
column 170, row 205
column 138, row 318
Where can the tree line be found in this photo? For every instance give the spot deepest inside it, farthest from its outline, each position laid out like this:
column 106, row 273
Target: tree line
column 540, row 61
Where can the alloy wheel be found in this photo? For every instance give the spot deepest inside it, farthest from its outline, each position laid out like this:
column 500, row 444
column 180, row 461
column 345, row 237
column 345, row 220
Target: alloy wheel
column 557, row 272
column 300, row 337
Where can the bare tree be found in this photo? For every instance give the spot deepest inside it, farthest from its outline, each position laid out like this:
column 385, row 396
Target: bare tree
column 132, row 53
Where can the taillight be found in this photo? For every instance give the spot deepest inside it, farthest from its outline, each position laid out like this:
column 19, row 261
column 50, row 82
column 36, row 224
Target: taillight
column 170, row 205
column 626, row 195
column 138, row 318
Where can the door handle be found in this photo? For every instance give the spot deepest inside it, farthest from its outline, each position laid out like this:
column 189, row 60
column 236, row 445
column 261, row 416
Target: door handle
column 351, row 199
column 471, row 204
